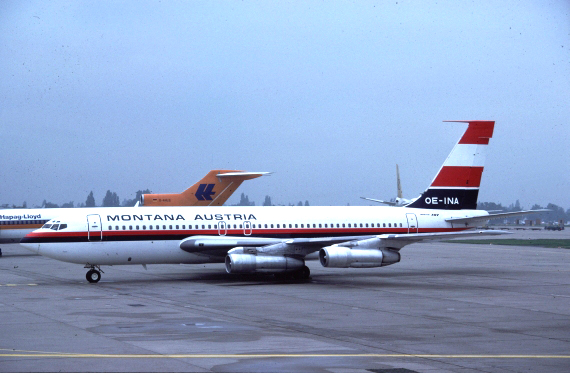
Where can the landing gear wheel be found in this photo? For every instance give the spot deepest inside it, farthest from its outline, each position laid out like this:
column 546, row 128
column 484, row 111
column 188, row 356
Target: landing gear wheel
column 93, row 276
column 304, row 273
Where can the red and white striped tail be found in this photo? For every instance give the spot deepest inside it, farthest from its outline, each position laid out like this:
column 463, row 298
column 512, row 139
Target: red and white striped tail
column 456, row 185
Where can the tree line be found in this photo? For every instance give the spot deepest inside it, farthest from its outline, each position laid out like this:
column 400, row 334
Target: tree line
column 111, row 199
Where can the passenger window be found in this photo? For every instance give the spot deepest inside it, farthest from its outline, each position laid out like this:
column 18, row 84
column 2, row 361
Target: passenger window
column 178, row 226
column 320, row 226
column 302, row 226
column 170, row 227
column 384, row 225
column 277, row 225
column 271, row 225
column 184, row 226
column 124, row 227
column 144, row 227
column 326, row 226
column 164, row 227
column 137, row 227
column 389, row 225
column 203, row 226
column 130, row 227
column 209, row 226
column 110, row 227
column 150, row 227
column 196, row 227
column 400, row 225
column 265, row 225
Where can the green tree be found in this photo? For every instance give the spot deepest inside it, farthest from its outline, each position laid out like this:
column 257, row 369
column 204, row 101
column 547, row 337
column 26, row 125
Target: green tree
column 49, row 205
column 267, row 201
column 110, row 199
column 244, row 201
column 138, row 194
column 90, row 202
column 68, row 205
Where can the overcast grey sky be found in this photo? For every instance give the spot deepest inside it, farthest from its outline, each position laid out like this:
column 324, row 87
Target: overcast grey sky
column 127, row 95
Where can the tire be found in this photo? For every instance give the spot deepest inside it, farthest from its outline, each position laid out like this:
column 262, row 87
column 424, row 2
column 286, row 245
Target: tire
column 304, row 273
column 93, row 276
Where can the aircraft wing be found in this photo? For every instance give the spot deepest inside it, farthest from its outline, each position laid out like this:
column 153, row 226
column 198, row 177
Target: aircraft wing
column 219, row 246
column 473, row 219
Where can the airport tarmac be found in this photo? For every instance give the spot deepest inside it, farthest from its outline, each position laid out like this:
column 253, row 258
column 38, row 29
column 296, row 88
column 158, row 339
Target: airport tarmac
column 447, row 307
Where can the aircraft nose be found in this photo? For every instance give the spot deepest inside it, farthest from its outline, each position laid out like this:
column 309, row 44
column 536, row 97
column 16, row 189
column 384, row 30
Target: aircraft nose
column 30, row 243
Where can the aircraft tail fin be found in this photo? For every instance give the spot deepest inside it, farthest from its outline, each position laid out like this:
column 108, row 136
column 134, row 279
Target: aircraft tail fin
column 456, row 185
column 214, row 189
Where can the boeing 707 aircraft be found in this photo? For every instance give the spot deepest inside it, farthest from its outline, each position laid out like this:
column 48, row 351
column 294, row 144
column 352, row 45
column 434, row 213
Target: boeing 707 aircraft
column 212, row 190
column 277, row 239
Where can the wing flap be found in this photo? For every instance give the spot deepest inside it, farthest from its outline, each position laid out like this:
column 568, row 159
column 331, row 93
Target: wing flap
column 501, row 215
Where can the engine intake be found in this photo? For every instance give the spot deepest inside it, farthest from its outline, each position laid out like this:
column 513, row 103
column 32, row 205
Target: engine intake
column 344, row 257
column 247, row 263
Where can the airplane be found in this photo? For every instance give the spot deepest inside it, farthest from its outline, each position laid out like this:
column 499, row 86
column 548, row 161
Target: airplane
column 277, row 239
column 399, row 201
column 212, row 190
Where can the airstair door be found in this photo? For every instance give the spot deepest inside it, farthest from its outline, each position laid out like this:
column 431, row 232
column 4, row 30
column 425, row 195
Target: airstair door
column 94, row 228
column 412, row 223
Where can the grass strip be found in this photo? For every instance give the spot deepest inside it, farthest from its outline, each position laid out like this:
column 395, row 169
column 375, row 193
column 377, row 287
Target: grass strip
column 550, row 243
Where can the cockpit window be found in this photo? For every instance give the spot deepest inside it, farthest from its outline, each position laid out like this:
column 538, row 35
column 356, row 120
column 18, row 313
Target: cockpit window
column 47, row 226
column 55, row 227
column 62, row 226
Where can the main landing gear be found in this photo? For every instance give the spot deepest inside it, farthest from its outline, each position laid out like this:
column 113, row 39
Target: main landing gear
column 94, row 274
column 300, row 274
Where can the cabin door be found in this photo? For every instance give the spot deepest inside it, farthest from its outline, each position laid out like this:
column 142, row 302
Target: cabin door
column 412, row 223
column 222, row 228
column 94, row 228
column 247, row 228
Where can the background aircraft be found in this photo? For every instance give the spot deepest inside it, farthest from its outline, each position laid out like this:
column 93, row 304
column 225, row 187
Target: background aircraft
column 399, row 200
column 212, row 190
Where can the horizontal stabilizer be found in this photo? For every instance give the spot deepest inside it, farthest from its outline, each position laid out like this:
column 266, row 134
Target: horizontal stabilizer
column 242, row 175
column 389, row 203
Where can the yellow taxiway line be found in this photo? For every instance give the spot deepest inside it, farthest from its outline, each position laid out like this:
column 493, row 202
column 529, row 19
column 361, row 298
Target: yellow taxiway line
column 39, row 354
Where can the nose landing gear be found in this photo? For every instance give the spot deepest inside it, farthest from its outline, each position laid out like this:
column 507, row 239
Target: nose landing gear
column 94, row 274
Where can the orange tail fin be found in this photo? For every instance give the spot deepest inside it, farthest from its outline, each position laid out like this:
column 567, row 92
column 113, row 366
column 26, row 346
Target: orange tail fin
column 213, row 190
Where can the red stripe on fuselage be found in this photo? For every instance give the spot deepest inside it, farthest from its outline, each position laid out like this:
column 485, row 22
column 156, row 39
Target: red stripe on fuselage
column 458, row 176
column 478, row 132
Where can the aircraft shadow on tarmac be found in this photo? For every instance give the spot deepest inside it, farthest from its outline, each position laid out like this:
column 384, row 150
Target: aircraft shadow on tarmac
column 392, row 279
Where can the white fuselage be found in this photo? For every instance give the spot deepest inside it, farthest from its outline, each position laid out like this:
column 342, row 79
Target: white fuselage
column 117, row 236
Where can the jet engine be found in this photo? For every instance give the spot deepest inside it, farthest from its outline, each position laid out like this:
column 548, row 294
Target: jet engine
column 244, row 263
column 344, row 257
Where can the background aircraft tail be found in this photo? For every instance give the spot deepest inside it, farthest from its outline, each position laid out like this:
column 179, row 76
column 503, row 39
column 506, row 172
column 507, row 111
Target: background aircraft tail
column 213, row 190
column 456, row 185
